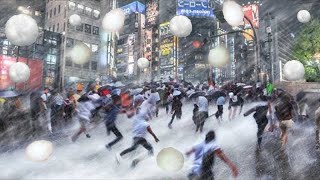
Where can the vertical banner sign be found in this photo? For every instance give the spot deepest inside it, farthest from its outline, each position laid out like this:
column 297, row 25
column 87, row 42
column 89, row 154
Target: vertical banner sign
column 252, row 13
column 148, row 44
column 152, row 12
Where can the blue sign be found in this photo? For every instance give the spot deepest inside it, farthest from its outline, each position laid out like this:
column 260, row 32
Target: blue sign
column 194, row 8
column 134, row 7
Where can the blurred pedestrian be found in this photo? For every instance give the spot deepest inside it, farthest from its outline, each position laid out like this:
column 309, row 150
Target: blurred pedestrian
column 204, row 155
column 202, row 103
column 176, row 109
column 220, row 102
column 45, row 110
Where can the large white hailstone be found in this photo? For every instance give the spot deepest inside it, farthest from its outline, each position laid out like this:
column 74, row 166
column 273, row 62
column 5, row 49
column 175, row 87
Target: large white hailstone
column 293, row 70
column 233, row 13
column 303, row 16
column 80, row 53
column 218, row 56
column 143, row 63
column 180, row 26
column 113, row 21
column 21, row 30
column 170, row 159
column 75, row 20
column 39, row 150
column 19, row 72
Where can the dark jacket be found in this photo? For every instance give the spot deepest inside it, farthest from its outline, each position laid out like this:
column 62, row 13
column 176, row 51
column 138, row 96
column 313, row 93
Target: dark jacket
column 176, row 104
column 284, row 111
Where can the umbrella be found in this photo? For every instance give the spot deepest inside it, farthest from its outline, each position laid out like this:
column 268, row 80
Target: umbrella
column 247, row 87
column 118, row 84
column 218, row 94
column 136, row 91
column 9, row 94
column 240, row 84
column 197, row 94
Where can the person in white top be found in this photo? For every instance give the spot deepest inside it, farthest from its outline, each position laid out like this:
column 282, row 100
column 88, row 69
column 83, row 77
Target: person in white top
column 303, row 110
column 202, row 104
column 140, row 129
column 204, row 154
column 45, row 110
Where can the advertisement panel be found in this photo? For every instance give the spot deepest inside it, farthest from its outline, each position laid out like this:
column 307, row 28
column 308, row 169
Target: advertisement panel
column 194, row 8
column 252, row 13
column 152, row 12
column 36, row 73
column 166, row 46
column 148, row 44
column 134, row 7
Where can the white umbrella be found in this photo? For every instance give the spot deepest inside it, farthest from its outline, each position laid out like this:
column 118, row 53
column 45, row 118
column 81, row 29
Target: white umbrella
column 247, row 87
column 240, row 84
column 176, row 93
column 136, row 91
column 118, row 84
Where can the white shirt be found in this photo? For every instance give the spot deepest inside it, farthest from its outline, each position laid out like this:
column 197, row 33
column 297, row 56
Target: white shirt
column 140, row 126
column 45, row 96
column 84, row 110
column 203, row 104
column 200, row 151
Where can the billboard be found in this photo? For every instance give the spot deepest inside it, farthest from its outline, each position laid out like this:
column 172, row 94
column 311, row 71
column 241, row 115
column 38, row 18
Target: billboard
column 152, row 12
column 148, row 44
column 252, row 13
column 36, row 73
column 194, row 8
column 134, row 7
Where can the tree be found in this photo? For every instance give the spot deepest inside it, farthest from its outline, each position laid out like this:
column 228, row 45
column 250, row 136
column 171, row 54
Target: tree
column 306, row 46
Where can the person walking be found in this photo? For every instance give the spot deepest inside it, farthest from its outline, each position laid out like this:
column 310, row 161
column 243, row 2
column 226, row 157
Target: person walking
column 204, row 155
column 203, row 112
column 285, row 113
column 220, row 102
column 45, row 110
column 176, row 109
column 260, row 116
column 234, row 103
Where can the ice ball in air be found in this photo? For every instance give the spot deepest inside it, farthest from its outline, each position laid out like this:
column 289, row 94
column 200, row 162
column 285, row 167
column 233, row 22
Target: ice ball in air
column 113, row 21
column 143, row 63
column 180, row 26
column 39, row 150
column 170, row 159
column 218, row 56
column 293, row 70
column 80, row 53
column 303, row 16
column 21, row 30
column 75, row 20
column 19, row 72
column 233, row 13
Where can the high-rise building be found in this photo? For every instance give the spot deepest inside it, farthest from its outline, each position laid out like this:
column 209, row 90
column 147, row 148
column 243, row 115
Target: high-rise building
column 57, row 20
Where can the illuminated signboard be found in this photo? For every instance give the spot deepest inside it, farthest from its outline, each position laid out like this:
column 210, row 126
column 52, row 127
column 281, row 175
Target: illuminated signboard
column 152, row 12
column 166, row 46
column 134, row 7
column 252, row 13
column 148, row 44
column 194, row 8
column 164, row 28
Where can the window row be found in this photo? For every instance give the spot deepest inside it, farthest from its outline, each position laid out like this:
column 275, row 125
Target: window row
column 94, row 64
column 71, row 42
column 57, row 28
column 81, row 9
column 53, row 12
column 87, row 28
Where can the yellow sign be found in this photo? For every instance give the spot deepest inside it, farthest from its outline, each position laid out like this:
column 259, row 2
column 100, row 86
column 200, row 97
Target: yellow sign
column 248, row 35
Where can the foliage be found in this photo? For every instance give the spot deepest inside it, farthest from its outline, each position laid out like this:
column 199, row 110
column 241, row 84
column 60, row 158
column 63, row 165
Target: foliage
column 306, row 45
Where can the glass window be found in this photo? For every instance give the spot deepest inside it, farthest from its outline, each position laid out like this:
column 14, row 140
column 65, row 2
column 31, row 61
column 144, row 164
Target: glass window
column 88, row 11
column 53, row 28
column 77, row 66
column 95, row 30
column 72, row 5
column 70, row 42
column 86, row 65
column 80, row 8
column 59, row 8
column 87, row 28
column 50, row 13
column 47, row 15
column 96, row 14
column 58, row 27
column 94, row 65
column 54, row 11
column 64, row 26
column 94, row 48
column 79, row 28
column 51, row 59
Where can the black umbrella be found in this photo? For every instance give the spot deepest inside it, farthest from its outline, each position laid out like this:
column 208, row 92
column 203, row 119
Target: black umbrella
column 9, row 94
column 197, row 94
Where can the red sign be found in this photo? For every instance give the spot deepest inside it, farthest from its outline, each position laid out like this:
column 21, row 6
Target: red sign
column 36, row 72
column 252, row 13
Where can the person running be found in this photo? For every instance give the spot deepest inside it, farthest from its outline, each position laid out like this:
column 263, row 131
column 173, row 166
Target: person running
column 317, row 119
column 111, row 113
column 220, row 102
column 285, row 112
column 260, row 116
column 203, row 112
column 176, row 110
column 140, row 129
column 83, row 115
column 204, row 155
column 234, row 103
